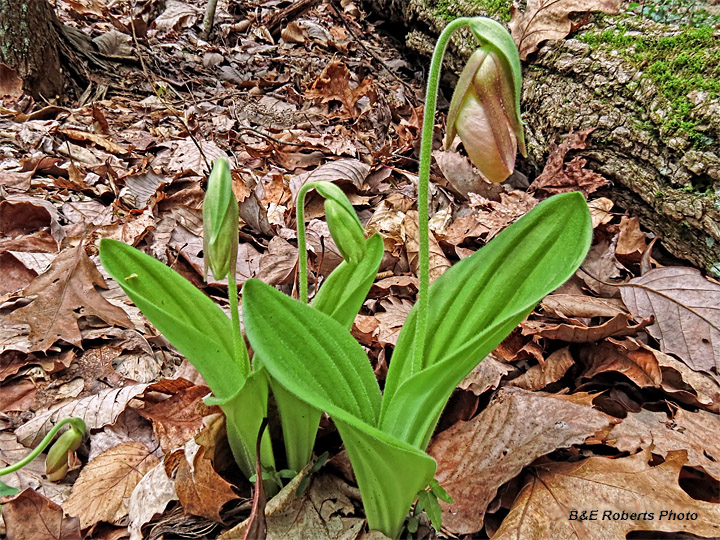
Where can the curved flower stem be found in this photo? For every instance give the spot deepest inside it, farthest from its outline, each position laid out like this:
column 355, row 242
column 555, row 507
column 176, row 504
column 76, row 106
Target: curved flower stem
column 302, row 246
column 77, row 424
column 423, row 180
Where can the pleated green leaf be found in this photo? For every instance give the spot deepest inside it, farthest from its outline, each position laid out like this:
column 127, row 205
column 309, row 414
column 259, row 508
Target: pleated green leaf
column 310, row 353
column 185, row 316
column 477, row 302
column 389, row 473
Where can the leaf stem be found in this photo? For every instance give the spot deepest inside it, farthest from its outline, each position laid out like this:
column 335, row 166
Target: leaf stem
column 423, row 181
column 302, row 245
column 77, row 423
column 239, row 348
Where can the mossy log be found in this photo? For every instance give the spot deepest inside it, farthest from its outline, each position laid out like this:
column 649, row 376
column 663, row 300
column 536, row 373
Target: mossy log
column 651, row 91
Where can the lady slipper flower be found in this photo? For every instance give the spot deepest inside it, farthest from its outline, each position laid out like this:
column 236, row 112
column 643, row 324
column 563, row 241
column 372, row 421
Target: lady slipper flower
column 220, row 221
column 484, row 113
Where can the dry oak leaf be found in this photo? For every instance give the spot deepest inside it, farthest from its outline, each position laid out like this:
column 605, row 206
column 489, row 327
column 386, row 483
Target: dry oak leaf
column 30, row 516
column 549, row 19
column 686, row 307
column 560, row 177
column 632, row 242
column 178, row 418
column 103, row 489
column 476, row 457
column 333, row 84
column 610, row 486
column 65, row 293
column 698, row 433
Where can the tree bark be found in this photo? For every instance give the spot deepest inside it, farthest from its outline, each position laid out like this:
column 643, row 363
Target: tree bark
column 29, row 45
column 671, row 183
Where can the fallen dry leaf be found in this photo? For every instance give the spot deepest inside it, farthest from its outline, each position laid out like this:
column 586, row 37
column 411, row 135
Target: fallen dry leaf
column 698, row 433
column 392, row 319
column 486, row 375
column 550, row 19
column 615, row 488
column 581, row 305
column 463, row 179
column 96, row 411
column 560, row 177
column 686, row 307
column 334, row 84
column 539, row 376
column 475, row 458
column 150, row 497
column 600, row 211
column 65, row 293
column 200, row 489
column 637, row 364
column 632, row 242
column 30, row 516
column 438, row 262
column 619, row 325
column 103, row 489
column 322, row 513
column 179, row 417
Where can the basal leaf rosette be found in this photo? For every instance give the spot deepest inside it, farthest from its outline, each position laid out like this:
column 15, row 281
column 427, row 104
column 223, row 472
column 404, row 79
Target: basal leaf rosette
column 315, row 358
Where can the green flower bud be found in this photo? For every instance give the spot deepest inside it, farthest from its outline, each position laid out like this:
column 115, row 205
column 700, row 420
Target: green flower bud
column 56, row 462
column 344, row 225
column 485, row 107
column 220, row 221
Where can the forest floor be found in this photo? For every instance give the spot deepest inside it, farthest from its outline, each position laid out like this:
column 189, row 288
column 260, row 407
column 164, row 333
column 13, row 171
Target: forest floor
column 603, row 405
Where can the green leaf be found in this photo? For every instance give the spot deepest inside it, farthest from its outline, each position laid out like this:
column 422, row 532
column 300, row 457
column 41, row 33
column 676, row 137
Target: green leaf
column 309, row 352
column 430, row 504
column 185, row 316
column 341, row 296
column 475, row 304
column 244, row 413
column 389, row 473
column 440, row 492
column 317, row 359
column 344, row 291
column 6, row 490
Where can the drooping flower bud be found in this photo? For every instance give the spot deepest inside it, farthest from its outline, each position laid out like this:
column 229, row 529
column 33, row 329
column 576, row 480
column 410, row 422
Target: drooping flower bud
column 220, row 221
column 484, row 111
column 344, row 225
column 56, row 462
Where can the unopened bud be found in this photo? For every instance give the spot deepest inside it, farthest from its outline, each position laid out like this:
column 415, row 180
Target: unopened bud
column 220, row 221
column 484, row 111
column 56, row 462
column 344, row 225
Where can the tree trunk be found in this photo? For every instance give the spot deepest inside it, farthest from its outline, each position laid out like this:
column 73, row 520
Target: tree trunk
column 661, row 153
column 29, row 45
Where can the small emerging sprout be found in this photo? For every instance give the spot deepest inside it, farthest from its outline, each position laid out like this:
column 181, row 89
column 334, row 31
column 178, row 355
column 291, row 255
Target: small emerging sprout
column 57, row 460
